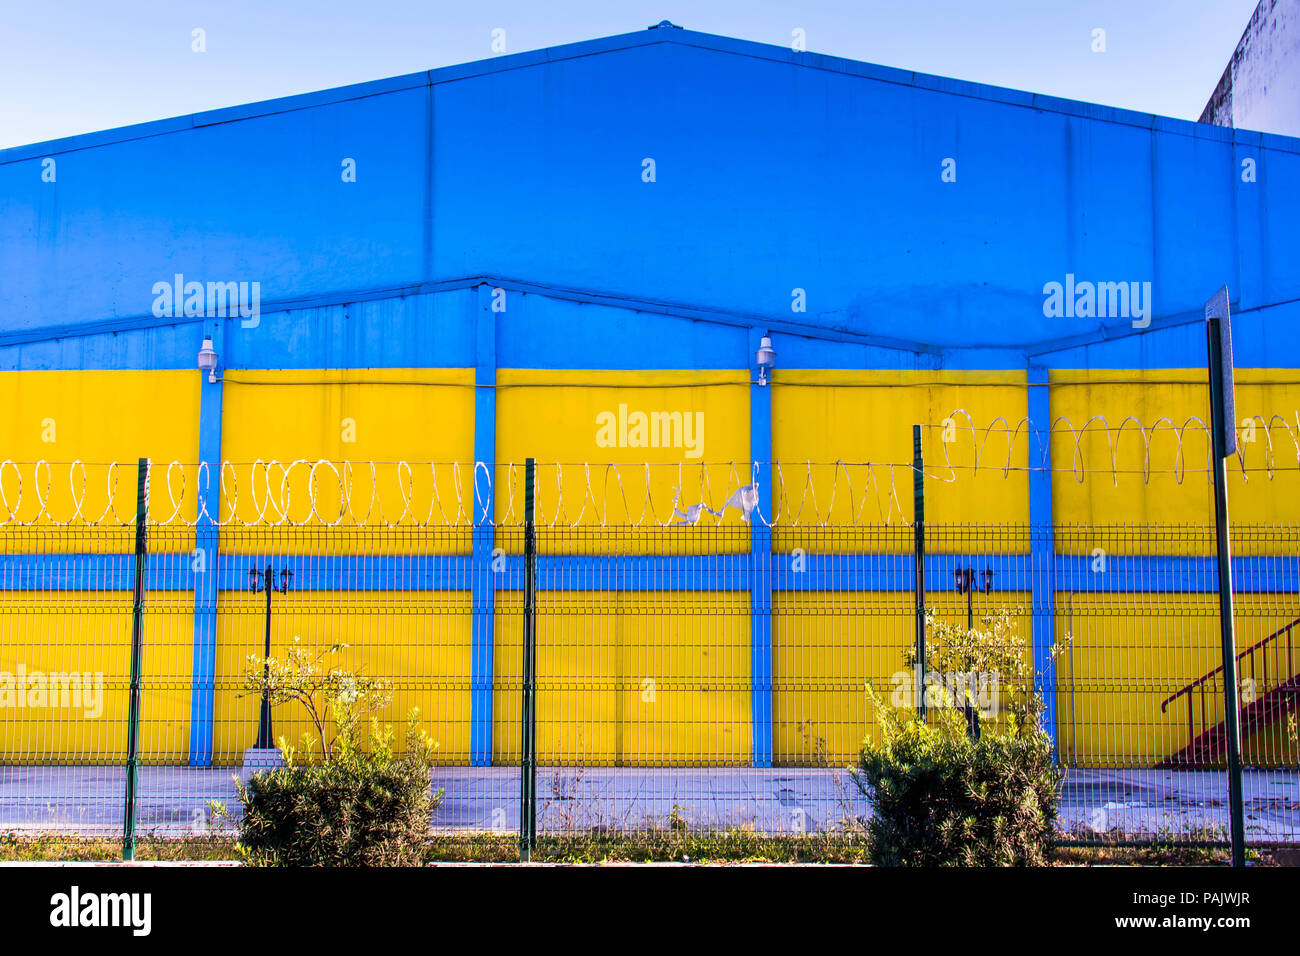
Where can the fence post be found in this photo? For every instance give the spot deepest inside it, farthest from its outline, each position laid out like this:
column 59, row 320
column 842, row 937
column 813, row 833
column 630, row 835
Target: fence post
column 137, row 652
column 528, row 703
column 918, row 528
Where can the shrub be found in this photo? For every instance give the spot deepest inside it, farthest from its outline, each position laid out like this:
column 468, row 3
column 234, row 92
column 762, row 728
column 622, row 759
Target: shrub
column 940, row 798
column 363, row 807
column 973, row 786
column 361, row 803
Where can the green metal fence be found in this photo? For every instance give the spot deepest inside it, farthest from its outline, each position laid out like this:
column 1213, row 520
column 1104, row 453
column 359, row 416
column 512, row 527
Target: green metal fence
column 712, row 673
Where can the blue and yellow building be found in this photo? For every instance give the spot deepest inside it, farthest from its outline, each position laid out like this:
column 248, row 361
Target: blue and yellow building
column 574, row 255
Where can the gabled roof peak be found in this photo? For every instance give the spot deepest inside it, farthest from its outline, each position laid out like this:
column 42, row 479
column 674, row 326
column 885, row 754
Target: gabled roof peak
column 664, row 32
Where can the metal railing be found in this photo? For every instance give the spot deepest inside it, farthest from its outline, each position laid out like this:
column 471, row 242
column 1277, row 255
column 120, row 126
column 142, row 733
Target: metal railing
column 1262, row 702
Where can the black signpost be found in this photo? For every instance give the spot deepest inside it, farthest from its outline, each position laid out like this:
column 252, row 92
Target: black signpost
column 918, row 527
column 1223, row 428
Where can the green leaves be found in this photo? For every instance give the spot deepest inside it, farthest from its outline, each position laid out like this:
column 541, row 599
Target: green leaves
column 941, row 797
column 365, row 811
column 941, row 800
column 327, row 694
column 363, row 803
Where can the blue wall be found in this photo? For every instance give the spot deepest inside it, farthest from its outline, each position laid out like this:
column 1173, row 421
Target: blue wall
column 775, row 170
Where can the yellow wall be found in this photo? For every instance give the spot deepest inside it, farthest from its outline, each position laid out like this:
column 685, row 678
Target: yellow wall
column 385, row 416
column 89, row 633
column 862, row 417
column 828, row 646
column 599, row 648
column 553, row 417
column 95, row 417
column 418, row 641
column 418, row 415
column 629, row 679
column 1180, row 396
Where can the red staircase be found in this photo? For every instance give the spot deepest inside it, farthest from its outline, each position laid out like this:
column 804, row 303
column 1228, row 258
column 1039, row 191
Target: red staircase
column 1271, row 660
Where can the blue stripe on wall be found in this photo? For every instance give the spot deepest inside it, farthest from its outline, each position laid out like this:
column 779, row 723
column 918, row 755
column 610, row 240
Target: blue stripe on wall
column 714, row 572
column 1043, row 551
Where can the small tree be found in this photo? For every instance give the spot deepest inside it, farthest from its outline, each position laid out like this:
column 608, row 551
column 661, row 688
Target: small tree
column 361, row 803
column 343, row 697
column 986, row 670
column 978, row 790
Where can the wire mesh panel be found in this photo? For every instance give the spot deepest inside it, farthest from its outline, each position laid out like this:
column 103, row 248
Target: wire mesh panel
column 1139, row 684
column 656, row 686
column 393, row 604
column 706, row 669
column 65, row 638
column 170, row 800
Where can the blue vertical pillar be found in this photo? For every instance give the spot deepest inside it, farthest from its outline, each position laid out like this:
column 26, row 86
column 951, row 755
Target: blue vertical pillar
column 760, row 550
column 483, row 583
column 204, row 558
column 1042, row 545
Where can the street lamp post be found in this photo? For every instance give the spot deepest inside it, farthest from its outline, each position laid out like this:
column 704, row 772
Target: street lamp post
column 964, row 582
column 264, row 580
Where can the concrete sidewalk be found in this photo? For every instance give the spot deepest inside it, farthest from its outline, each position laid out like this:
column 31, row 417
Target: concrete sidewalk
column 173, row 801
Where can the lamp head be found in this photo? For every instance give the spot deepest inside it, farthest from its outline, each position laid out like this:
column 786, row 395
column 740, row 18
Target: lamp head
column 208, row 359
column 765, row 358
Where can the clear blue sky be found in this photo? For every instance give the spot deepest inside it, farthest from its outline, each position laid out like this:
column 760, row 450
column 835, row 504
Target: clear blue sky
column 72, row 66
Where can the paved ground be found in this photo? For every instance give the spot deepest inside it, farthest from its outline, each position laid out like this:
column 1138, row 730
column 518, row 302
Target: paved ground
column 173, row 800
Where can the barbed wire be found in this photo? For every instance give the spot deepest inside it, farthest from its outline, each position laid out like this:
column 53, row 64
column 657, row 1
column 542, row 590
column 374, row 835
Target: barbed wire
column 323, row 493
column 1098, row 425
column 404, row 494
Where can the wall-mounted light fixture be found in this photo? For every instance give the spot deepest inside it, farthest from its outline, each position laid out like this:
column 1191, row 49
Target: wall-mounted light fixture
column 208, row 360
column 765, row 357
